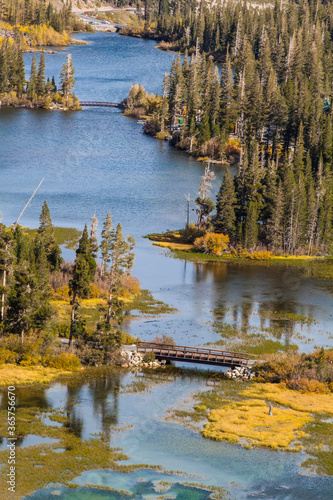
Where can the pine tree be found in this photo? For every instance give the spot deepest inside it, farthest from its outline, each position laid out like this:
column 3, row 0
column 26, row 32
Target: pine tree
column 204, row 204
column 204, row 134
column 67, row 80
column 46, row 234
column 79, row 287
column 107, row 238
column 227, row 93
column 93, row 238
column 224, row 221
column 130, row 256
column 20, row 73
column 251, row 225
column 82, row 275
column 40, row 81
column 117, row 258
column 33, row 78
column 86, row 251
column 275, row 225
column 7, row 261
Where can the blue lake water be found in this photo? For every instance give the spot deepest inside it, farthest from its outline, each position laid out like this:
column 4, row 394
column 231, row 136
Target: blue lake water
column 98, row 161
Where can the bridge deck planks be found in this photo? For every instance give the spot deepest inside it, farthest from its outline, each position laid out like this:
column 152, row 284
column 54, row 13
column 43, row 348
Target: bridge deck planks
column 195, row 354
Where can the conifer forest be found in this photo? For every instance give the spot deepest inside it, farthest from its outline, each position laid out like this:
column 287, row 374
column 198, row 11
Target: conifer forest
column 267, row 109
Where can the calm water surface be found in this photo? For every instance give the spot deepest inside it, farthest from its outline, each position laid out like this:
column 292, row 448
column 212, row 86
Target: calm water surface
column 103, row 405
column 97, row 161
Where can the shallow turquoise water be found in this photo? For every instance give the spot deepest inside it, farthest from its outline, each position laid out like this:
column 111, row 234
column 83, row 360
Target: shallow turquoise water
column 136, row 423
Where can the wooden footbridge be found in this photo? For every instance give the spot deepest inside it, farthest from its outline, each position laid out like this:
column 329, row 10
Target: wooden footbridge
column 187, row 354
column 101, row 104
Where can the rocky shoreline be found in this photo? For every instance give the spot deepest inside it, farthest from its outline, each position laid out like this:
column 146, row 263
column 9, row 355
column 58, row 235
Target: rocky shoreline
column 134, row 359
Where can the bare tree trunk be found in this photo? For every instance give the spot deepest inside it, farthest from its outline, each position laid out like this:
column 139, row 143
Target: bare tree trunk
column 108, row 317
column 4, row 281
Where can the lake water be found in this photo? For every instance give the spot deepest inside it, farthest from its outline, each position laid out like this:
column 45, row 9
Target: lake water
column 98, row 161
column 104, row 405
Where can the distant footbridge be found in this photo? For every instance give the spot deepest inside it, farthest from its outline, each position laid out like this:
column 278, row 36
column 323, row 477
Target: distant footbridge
column 101, row 104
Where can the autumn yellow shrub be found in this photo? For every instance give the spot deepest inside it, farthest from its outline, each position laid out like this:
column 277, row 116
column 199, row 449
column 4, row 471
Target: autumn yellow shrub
column 233, row 147
column 62, row 292
column 256, row 254
column 30, row 359
column 46, row 35
column 64, row 361
column 8, row 356
column 212, row 243
column 305, row 385
column 97, row 292
column 129, row 286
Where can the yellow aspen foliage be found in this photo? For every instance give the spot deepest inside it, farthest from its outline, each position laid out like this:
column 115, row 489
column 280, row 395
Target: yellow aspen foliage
column 212, row 243
column 45, row 35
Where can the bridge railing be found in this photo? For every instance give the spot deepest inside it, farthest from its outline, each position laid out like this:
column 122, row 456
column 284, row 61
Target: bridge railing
column 201, row 354
column 101, row 104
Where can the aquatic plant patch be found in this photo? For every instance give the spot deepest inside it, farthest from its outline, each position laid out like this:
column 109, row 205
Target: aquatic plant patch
column 249, row 422
column 248, row 339
column 319, row 443
column 60, row 462
column 68, row 236
column 278, row 393
column 145, row 303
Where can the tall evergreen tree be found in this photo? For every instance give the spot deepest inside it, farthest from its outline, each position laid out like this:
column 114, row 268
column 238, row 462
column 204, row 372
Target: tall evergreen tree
column 67, row 80
column 224, row 221
column 40, row 81
column 33, row 78
column 46, row 234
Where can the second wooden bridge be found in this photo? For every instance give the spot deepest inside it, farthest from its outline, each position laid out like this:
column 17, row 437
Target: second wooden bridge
column 196, row 354
column 101, row 104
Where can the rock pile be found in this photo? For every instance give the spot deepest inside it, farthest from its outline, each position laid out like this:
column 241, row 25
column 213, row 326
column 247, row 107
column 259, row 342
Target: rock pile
column 136, row 359
column 240, row 373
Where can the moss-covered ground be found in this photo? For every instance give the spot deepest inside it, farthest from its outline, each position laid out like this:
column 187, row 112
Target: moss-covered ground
column 68, row 236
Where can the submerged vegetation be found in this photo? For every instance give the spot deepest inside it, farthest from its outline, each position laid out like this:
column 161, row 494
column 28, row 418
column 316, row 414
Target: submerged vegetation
column 58, row 462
